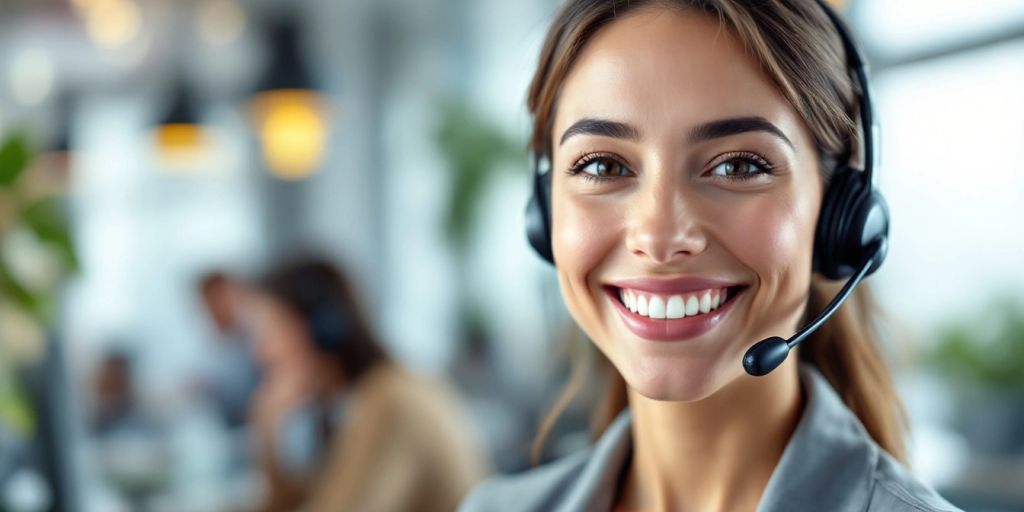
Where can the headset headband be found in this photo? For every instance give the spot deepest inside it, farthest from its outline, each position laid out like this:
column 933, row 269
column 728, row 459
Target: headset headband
column 855, row 61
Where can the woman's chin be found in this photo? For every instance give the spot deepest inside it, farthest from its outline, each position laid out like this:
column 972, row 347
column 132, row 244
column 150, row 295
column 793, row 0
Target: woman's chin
column 678, row 380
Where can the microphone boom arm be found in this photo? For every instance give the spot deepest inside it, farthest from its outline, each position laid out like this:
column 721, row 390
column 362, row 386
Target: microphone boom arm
column 768, row 354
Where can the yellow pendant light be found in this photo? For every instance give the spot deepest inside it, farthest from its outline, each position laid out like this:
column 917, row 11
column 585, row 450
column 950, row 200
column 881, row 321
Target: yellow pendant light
column 180, row 139
column 291, row 117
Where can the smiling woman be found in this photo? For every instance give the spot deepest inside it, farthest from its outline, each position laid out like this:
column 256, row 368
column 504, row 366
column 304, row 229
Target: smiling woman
column 690, row 145
column 704, row 188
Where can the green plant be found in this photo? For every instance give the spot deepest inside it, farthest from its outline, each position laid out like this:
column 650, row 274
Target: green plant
column 36, row 251
column 28, row 204
column 987, row 354
column 475, row 148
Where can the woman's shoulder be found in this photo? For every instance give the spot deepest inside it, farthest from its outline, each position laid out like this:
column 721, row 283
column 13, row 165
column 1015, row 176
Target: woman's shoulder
column 582, row 481
column 832, row 450
column 537, row 489
column 832, row 458
column 896, row 489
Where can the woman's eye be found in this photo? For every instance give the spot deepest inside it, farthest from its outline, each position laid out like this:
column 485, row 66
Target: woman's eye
column 603, row 168
column 738, row 168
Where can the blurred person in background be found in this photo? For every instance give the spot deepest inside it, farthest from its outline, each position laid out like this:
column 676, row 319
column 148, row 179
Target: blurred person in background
column 339, row 424
column 691, row 147
column 232, row 374
column 130, row 434
column 113, row 393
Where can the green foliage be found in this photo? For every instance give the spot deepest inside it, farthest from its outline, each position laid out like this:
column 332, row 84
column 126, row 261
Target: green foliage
column 14, row 159
column 26, row 209
column 48, row 220
column 13, row 290
column 42, row 215
column 988, row 358
column 15, row 412
column 474, row 148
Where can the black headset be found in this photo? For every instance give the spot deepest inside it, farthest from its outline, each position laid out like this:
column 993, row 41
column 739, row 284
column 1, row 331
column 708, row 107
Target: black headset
column 851, row 238
column 330, row 326
column 329, row 322
column 854, row 221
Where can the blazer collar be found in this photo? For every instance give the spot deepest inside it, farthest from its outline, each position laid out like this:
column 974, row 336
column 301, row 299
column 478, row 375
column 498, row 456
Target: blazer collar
column 830, row 460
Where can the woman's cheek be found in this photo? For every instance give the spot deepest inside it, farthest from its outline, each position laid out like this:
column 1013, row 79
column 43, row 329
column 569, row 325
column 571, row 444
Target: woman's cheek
column 279, row 346
column 776, row 245
column 774, row 235
column 583, row 233
column 771, row 242
column 583, row 236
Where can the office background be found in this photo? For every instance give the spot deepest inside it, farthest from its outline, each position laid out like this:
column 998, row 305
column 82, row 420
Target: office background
column 157, row 150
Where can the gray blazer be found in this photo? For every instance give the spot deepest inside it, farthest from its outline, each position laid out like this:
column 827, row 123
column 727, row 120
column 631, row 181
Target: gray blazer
column 830, row 463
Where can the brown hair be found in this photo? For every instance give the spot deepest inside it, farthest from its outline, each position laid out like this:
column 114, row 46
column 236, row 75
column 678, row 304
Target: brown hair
column 800, row 50
column 322, row 297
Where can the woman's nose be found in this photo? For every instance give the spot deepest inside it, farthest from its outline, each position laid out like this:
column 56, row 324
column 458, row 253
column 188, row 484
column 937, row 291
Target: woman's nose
column 664, row 225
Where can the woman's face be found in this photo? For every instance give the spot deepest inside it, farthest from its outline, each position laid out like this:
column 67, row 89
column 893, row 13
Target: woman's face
column 281, row 339
column 682, row 180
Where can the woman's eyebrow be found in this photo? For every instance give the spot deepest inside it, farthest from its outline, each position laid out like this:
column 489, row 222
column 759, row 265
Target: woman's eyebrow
column 603, row 127
column 733, row 126
column 710, row 130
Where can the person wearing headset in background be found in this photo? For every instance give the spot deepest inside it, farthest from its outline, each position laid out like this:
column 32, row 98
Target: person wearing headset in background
column 339, row 425
column 692, row 190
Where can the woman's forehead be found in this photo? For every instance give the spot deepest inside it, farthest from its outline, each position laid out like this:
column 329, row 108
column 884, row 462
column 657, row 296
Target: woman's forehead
column 662, row 68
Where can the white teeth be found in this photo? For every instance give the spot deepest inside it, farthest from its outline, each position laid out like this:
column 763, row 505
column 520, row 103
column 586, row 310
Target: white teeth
column 672, row 307
column 676, row 308
column 656, row 308
column 692, row 306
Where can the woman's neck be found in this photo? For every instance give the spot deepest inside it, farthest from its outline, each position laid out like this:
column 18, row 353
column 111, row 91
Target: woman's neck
column 714, row 454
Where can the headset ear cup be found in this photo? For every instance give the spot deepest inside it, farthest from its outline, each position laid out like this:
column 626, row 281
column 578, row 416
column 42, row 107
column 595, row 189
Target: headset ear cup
column 538, row 218
column 830, row 239
column 330, row 326
column 853, row 218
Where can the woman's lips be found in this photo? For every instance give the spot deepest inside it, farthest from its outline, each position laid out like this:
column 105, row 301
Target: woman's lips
column 674, row 329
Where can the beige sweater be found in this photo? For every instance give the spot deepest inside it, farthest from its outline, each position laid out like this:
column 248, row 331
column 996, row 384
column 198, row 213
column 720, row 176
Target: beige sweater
column 405, row 446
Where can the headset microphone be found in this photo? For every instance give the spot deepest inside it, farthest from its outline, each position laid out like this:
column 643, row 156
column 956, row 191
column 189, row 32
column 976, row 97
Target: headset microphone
column 769, row 353
column 853, row 228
